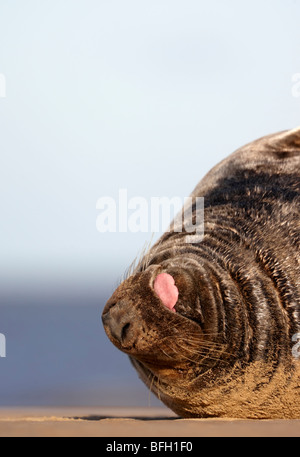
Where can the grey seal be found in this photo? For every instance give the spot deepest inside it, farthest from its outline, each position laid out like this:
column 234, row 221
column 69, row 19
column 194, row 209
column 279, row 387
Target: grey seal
column 212, row 326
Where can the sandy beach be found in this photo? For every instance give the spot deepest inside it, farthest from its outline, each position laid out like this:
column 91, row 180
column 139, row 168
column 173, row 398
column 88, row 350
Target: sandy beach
column 136, row 422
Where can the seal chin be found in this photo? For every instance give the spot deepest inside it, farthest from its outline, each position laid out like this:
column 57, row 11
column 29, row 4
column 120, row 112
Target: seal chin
column 156, row 375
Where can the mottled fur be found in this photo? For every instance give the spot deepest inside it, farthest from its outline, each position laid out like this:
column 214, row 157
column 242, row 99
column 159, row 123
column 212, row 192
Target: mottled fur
column 227, row 351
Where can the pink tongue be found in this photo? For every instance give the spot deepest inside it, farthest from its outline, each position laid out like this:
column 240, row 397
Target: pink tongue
column 164, row 286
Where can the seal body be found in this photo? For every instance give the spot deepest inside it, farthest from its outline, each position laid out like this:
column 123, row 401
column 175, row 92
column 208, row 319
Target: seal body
column 212, row 326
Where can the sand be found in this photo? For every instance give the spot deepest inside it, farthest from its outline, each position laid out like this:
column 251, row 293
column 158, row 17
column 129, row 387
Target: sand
column 137, row 422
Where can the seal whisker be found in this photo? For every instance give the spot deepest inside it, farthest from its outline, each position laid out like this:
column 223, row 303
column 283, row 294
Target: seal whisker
column 165, row 353
column 204, row 354
column 216, row 351
column 216, row 347
column 198, row 341
column 188, row 345
column 158, row 388
column 150, row 387
column 197, row 353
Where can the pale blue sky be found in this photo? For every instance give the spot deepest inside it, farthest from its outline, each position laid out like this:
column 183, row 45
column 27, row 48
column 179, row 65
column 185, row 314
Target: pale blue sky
column 142, row 95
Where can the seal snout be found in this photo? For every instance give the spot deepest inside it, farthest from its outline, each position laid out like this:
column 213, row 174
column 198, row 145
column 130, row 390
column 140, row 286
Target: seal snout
column 119, row 320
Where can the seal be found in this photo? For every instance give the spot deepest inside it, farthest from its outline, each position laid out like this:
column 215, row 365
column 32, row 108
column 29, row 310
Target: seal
column 213, row 326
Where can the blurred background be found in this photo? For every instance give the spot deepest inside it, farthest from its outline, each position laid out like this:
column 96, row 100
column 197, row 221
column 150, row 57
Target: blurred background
column 98, row 96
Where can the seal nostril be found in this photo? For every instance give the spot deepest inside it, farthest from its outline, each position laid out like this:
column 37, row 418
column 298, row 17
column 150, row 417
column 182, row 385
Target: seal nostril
column 119, row 318
column 125, row 331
